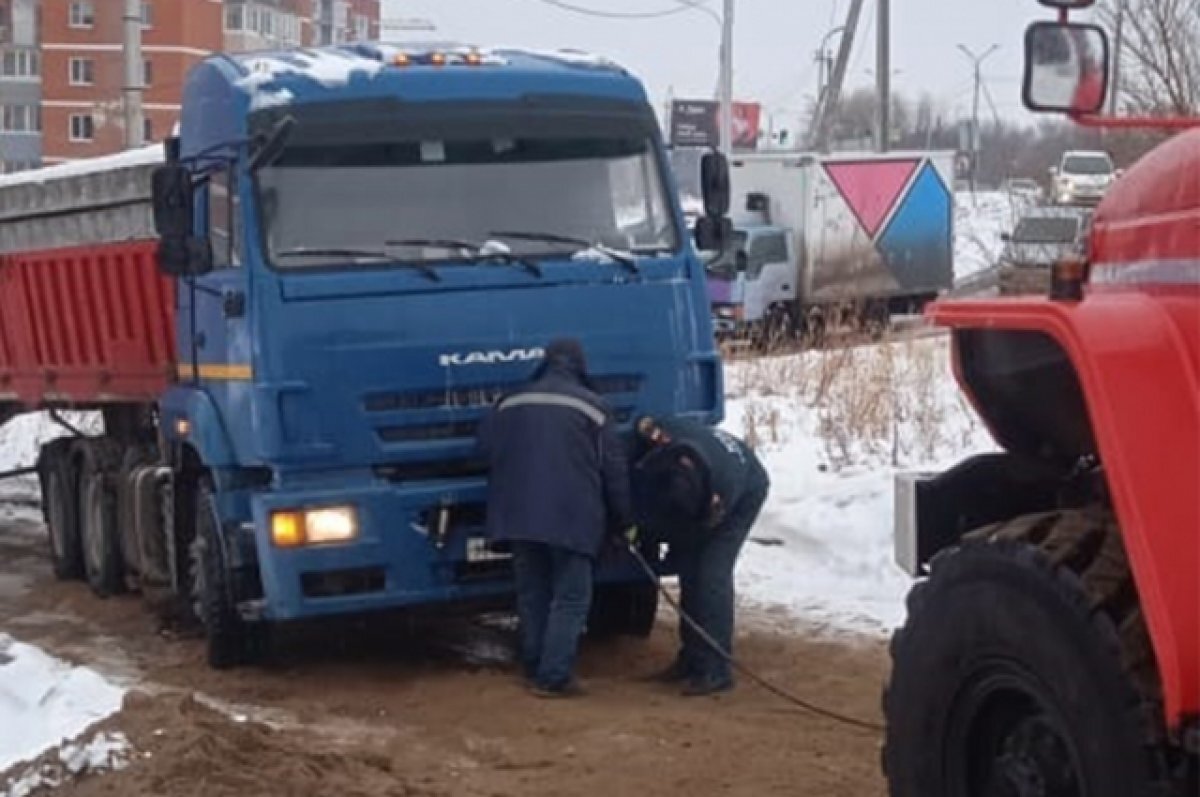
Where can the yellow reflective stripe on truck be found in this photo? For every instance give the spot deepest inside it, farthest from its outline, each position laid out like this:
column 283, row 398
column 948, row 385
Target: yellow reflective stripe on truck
column 221, row 372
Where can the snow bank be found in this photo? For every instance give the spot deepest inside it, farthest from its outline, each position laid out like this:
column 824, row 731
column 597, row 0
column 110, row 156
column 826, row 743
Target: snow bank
column 21, row 439
column 146, row 156
column 44, row 701
column 833, row 428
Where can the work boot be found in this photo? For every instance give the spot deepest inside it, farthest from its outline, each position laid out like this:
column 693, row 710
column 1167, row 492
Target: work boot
column 570, row 689
column 677, row 672
column 702, row 687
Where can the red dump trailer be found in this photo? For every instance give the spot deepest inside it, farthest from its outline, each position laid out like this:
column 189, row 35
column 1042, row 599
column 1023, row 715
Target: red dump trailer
column 86, row 319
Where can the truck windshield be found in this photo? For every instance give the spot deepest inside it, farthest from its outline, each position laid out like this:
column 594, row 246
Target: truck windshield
column 1087, row 164
column 1046, row 231
column 413, row 199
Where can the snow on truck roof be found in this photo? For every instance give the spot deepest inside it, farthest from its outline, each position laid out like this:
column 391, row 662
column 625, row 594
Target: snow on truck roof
column 332, row 67
column 146, row 156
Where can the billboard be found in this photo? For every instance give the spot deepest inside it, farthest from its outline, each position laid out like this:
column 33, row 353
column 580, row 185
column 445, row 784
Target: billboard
column 695, row 123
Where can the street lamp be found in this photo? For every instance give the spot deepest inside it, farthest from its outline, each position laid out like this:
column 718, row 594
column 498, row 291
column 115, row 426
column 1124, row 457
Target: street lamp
column 978, row 61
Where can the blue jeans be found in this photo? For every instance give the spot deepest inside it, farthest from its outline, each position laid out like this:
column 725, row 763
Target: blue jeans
column 554, row 594
column 706, row 563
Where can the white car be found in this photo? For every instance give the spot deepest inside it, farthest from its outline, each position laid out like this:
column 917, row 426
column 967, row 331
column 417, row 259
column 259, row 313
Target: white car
column 1082, row 178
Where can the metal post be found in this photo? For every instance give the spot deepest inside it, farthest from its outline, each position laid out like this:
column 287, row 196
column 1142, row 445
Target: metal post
column 837, row 76
column 883, row 74
column 978, row 61
column 134, row 75
column 1118, row 42
column 726, row 121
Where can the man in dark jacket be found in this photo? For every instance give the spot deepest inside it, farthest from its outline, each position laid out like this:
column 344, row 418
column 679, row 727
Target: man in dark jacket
column 702, row 489
column 559, row 483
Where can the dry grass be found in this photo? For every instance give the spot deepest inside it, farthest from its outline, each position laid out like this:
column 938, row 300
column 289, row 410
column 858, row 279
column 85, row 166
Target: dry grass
column 867, row 405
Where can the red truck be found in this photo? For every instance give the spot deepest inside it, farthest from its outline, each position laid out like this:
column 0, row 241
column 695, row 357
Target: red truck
column 1052, row 646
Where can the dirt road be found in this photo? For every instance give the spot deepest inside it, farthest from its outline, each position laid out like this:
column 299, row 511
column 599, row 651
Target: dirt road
column 435, row 708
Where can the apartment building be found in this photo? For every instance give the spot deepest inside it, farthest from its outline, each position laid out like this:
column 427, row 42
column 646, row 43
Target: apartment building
column 20, row 86
column 62, row 66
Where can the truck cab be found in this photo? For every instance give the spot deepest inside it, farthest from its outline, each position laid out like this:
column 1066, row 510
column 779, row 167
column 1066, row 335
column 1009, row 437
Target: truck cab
column 752, row 277
column 382, row 241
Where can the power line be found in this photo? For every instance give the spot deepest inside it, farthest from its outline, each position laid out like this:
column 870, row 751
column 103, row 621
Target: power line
column 681, row 7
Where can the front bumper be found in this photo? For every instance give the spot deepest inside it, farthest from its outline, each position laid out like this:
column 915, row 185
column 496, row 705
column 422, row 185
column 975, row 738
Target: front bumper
column 416, row 545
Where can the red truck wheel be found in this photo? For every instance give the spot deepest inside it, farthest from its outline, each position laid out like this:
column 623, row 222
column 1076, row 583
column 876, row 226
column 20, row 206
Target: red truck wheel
column 1025, row 668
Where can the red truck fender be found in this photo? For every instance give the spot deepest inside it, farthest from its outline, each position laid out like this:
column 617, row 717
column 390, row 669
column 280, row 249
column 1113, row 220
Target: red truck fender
column 1142, row 392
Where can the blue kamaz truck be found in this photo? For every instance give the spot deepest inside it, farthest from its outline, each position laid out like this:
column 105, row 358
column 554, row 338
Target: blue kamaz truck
column 293, row 315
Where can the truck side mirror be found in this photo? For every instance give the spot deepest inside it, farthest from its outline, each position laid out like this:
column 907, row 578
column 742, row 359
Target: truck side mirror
column 180, row 251
column 713, row 234
column 172, row 192
column 714, row 182
column 1066, row 68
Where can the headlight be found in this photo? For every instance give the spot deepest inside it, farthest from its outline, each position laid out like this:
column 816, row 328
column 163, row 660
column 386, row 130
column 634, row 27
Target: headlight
column 291, row 529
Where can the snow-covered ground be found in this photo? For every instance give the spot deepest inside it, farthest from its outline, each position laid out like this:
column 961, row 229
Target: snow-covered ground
column 45, row 701
column 833, row 429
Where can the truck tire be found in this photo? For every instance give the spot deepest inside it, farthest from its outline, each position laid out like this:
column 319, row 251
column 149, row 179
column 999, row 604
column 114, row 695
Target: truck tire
column 99, row 529
column 60, row 508
column 230, row 640
column 1025, row 668
column 623, row 610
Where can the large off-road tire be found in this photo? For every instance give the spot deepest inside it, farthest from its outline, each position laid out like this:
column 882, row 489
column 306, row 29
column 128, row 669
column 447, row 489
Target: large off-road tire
column 231, row 641
column 623, row 610
column 1025, row 670
column 60, row 507
column 98, row 525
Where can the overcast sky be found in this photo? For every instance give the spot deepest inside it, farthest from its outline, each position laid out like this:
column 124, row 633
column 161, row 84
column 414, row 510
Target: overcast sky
column 774, row 44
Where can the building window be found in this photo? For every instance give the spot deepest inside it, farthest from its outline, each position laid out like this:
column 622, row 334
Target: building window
column 83, row 127
column 147, row 130
column 362, row 27
column 20, row 64
column 147, row 15
column 20, row 118
column 83, row 14
column 147, row 73
column 83, row 71
column 235, row 17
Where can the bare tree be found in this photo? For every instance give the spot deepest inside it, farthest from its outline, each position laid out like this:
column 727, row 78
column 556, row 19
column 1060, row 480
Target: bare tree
column 1160, row 62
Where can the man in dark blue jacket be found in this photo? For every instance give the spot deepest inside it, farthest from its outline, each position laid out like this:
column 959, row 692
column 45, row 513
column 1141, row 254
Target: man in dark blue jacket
column 702, row 490
column 559, row 482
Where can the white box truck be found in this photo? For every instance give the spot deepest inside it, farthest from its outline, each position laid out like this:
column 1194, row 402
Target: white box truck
column 814, row 234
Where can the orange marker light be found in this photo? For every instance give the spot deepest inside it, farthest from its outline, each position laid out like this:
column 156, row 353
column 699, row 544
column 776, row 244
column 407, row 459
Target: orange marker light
column 438, row 59
column 287, row 530
column 474, row 59
column 401, row 59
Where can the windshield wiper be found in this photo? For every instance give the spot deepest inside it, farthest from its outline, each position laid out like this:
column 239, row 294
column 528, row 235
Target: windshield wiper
column 368, row 253
column 479, row 253
column 626, row 259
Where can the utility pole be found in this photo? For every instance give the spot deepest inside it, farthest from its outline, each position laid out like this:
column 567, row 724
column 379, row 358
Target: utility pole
column 834, row 90
column 134, row 75
column 726, row 113
column 883, row 73
column 978, row 61
column 1118, row 42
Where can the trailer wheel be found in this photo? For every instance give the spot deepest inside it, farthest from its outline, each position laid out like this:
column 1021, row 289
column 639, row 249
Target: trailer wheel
column 102, row 560
column 61, row 509
column 230, row 639
column 623, row 610
column 1025, row 669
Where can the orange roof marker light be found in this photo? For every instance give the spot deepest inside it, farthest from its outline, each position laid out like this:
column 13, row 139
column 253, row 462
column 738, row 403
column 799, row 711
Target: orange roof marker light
column 437, row 59
column 474, row 58
column 401, row 59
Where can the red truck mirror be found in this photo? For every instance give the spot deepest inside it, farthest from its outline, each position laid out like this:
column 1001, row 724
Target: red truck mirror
column 1069, row 5
column 1066, row 68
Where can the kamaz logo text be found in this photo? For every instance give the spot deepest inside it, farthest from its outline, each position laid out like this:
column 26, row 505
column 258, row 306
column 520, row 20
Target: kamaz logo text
column 491, row 357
